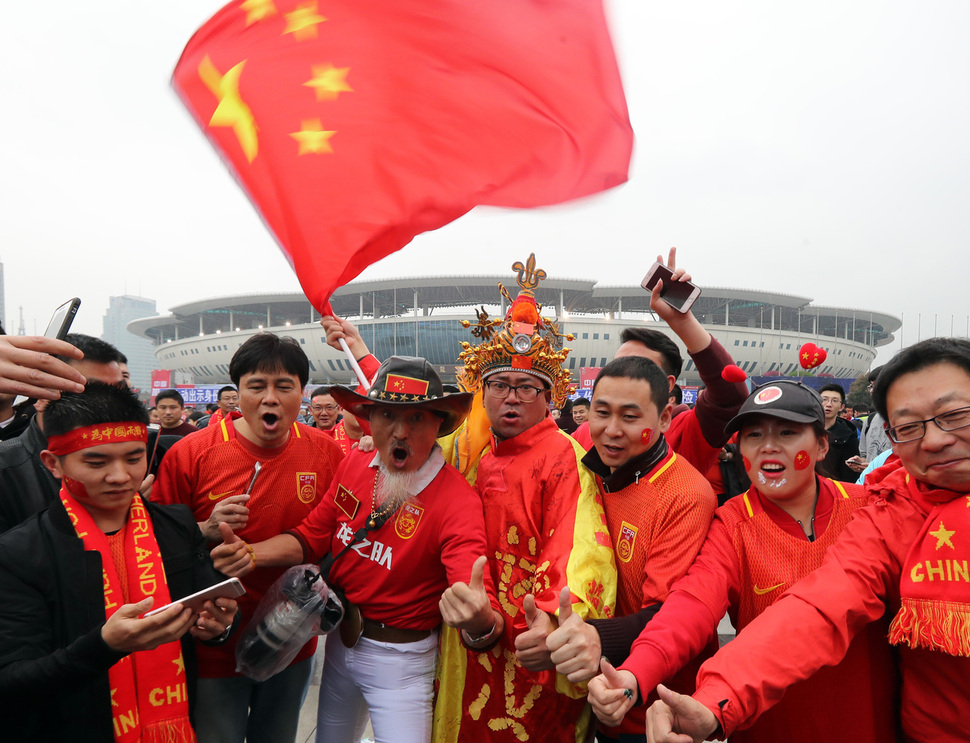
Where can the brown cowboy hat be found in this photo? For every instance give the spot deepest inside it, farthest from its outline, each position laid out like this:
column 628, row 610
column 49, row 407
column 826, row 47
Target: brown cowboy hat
column 411, row 381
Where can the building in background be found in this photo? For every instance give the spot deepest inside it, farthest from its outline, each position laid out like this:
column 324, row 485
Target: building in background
column 421, row 316
column 140, row 352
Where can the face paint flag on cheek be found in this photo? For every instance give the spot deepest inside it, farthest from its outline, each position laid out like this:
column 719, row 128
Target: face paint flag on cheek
column 746, row 463
column 75, row 488
column 645, row 435
column 802, row 460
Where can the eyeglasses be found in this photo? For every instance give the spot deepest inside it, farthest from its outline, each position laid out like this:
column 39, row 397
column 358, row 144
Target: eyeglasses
column 524, row 392
column 915, row 430
column 320, row 408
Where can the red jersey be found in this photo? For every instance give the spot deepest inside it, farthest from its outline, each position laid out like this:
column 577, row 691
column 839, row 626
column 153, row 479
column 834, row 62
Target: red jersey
column 658, row 524
column 397, row 573
column 202, row 469
column 753, row 553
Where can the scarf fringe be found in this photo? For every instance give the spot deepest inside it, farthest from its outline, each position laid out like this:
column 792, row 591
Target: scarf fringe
column 932, row 625
column 178, row 730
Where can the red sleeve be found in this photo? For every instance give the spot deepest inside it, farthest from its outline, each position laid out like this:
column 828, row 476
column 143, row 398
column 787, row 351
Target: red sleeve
column 559, row 520
column 720, row 401
column 690, row 615
column 811, row 626
column 176, row 476
column 462, row 540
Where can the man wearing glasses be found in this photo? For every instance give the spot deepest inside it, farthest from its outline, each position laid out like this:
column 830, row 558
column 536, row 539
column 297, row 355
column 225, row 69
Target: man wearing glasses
column 905, row 555
column 328, row 417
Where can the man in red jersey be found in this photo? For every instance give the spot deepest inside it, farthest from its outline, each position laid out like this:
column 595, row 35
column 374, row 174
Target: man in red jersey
column 262, row 474
column 658, row 510
column 405, row 531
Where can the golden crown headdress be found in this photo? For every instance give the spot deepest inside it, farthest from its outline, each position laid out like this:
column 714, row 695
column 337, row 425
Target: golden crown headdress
column 524, row 341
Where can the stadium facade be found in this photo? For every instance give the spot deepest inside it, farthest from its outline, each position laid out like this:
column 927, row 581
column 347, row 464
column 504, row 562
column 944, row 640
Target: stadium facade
column 421, row 317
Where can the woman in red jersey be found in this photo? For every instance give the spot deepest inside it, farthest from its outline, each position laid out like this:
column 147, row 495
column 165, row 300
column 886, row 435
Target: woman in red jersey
column 759, row 545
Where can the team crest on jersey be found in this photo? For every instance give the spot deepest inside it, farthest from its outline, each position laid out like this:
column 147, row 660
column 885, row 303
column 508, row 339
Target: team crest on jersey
column 407, row 520
column 625, row 541
column 306, row 486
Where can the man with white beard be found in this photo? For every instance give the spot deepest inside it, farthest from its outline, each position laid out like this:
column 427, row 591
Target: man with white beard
column 405, row 533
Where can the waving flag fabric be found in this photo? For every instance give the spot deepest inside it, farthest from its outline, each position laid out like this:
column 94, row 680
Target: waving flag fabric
column 354, row 125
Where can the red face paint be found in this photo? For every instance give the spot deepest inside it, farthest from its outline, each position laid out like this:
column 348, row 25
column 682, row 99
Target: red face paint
column 645, row 435
column 747, row 464
column 75, row 488
column 802, row 460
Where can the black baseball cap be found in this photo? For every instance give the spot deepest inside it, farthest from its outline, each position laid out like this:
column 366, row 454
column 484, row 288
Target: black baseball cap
column 790, row 401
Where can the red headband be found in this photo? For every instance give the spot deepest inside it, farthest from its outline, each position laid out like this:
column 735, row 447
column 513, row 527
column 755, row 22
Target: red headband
column 103, row 433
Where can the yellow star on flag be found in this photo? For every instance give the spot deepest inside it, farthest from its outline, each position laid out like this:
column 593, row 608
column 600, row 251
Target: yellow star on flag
column 303, row 21
column 329, row 81
column 180, row 665
column 257, row 10
column 943, row 536
column 232, row 110
column 313, row 138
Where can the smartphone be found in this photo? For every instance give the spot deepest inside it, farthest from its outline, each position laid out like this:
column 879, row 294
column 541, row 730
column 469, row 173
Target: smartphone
column 680, row 295
column 57, row 328
column 62, row 318
column 228, row 589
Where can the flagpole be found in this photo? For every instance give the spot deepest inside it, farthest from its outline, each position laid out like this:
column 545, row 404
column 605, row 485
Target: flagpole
column 364, row 382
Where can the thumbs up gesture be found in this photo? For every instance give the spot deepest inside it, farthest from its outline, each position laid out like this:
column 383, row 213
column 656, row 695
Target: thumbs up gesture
column 678, row 718
column 466, row 605
column 232, row 558
column 612, row 694
column 575, row 646
column 530, row 646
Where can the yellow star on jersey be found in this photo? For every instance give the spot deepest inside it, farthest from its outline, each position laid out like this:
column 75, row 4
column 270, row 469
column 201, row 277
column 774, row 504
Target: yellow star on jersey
column 329, row 81
column 313, row 139
column 180, row 665
column 943, row 536
column 257, row 10
column 232, row 110
column 303, row 21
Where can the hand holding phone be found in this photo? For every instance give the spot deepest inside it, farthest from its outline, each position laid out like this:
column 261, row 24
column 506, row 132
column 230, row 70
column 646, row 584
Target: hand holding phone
column 228, row 589
column 680, row 295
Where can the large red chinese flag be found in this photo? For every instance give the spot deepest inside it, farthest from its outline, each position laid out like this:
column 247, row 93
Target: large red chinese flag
column 355, row 125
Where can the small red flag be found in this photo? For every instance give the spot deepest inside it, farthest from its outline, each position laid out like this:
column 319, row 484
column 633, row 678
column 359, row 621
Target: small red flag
column 406, row 385
column 354, row 125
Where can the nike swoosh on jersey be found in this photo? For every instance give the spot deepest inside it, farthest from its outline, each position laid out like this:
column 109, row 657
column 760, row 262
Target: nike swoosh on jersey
column 763, row 591
column 217, row 496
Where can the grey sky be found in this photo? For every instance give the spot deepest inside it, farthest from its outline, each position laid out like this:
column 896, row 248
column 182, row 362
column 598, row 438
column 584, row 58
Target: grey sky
column 818, row 149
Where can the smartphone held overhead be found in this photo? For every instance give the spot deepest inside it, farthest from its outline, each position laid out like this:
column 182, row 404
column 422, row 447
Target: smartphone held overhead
column 680, row 295
column 62, row 318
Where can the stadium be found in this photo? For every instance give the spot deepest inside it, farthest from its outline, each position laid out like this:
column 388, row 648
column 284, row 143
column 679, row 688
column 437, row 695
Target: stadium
column 421, row 317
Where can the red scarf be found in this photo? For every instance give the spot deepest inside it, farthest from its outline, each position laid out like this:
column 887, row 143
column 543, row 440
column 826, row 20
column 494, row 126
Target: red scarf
column 935, row 581
column 149, row 696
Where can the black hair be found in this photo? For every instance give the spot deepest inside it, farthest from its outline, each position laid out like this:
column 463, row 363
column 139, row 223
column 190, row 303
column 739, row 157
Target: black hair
column 637, row 367
column 170, row 395
column 227, row 388
column 581, row 402
column 94, row 349
column 955, row 351
column 833, row 388
column 874, row 374
column 678, row 394
column 861, row 407
column 268, row 352
column 322, row 390
column 194, row 415
column 673, row 362
column 99, row 403
column 211, row 407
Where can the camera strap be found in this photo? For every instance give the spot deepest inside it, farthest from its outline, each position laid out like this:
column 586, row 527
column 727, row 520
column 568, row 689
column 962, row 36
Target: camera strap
column 329, row 559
